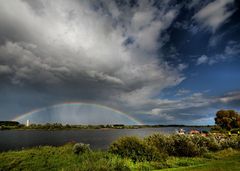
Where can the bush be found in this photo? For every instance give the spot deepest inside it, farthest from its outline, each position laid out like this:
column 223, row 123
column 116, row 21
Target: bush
column 238, row 140
column 201, row 143
column 163, row 143
column 230, row 143
column 135, row 149
column 184, row 146
column 80, row 148
column 213, row 144
column 158, row 146
column 235, row 130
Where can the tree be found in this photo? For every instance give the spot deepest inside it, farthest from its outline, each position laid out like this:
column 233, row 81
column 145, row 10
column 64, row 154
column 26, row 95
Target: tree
column 227, row 119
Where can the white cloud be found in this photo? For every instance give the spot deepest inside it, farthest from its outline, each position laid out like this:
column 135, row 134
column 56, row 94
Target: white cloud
column 232, row 49
column 160, row 113
column 214, row 14
column 182, row 92
column 202, row 60
column 182, row 67
column 193, row 100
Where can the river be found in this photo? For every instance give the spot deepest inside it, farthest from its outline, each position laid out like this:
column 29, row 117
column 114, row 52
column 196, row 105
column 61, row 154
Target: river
column 97, row 138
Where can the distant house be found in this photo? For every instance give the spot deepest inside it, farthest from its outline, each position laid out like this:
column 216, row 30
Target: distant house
column 194, row 132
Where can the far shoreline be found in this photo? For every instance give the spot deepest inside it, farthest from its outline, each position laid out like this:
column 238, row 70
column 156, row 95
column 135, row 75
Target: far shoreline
column 58, row 126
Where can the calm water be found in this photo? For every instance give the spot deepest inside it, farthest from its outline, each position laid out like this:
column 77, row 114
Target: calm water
column 97, row 138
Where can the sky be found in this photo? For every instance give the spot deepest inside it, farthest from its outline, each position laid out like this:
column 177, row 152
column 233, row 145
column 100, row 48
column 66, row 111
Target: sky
column 160, row 62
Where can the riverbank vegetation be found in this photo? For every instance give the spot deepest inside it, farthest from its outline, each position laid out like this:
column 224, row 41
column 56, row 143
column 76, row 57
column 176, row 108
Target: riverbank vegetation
column 217, row 150
column 130, row 153
column 59, row 126
column 225, row 120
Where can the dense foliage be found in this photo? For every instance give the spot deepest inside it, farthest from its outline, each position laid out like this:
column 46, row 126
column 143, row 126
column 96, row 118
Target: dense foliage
column 163, row 143
column 135, row 149
column 65, row 158
column 172, row 145
column 80, row 148
column 227, row 119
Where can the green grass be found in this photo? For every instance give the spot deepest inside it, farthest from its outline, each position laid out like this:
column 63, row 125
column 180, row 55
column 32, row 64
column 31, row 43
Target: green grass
column 226, row 160
column 63, row 159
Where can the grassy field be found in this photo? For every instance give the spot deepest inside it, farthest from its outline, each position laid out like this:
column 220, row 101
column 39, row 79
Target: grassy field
column 62, row 158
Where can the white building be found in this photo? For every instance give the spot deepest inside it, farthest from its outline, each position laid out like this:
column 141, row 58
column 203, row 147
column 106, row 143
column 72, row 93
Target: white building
column 28, row 123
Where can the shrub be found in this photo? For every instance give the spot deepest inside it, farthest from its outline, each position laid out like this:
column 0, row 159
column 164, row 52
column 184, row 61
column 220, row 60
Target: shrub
column 80, row 148
column 235, row 130
column 230, row 143
column 135, row 149
column 184, row 146
column 163, row 143
column 213, row 144
column 210, row 143
column 238, row 140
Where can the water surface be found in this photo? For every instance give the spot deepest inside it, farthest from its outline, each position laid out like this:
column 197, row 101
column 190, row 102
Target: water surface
column 97, row 138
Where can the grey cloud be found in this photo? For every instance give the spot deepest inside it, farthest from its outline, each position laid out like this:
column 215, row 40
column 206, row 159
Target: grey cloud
column 232, row 48
column 215, row 39
column 230, row 97
column 193, row 3
column 192, row 109
column 185, row 109
column 70, row 49
column 5, row 69
column 182, row 92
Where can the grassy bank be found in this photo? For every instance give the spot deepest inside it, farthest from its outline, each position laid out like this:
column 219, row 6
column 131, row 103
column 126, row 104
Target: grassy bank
column 157, row 151
column 226, row 160
column 63, row 158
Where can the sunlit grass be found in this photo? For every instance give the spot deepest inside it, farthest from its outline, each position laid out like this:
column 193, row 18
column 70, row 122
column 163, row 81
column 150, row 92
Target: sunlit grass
column 63, row 158
column 225, row 160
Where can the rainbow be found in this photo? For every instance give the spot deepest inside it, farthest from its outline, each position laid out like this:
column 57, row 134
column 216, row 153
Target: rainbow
column 22, row 116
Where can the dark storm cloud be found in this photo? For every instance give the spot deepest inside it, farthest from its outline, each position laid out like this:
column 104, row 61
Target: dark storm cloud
column 74, row 50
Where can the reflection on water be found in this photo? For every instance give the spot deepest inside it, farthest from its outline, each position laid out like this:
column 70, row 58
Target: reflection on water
column 97, row 138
